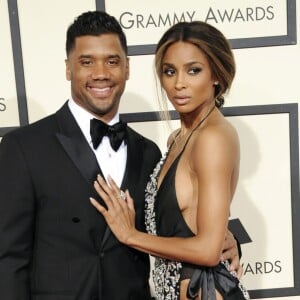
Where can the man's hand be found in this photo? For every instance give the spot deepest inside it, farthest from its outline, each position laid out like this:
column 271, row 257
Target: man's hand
column 231, row 253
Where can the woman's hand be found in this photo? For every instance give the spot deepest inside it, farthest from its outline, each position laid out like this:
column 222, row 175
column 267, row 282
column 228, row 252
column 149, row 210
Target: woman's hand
column 231, row 253
column 120, row 213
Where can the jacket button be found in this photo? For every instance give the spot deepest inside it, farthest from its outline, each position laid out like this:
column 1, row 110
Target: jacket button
column 101, row 254
column 75, row 220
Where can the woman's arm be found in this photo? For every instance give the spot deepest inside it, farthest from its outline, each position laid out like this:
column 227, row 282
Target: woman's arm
column 214, row 159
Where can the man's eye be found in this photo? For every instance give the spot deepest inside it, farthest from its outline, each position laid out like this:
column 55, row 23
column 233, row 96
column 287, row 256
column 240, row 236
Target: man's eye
column 113, row 62
column 86, row 62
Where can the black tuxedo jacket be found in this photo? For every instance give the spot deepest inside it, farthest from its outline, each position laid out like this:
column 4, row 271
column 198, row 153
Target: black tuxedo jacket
column 54, row 245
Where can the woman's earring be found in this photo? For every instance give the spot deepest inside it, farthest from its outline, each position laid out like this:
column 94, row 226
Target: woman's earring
column 216, row 83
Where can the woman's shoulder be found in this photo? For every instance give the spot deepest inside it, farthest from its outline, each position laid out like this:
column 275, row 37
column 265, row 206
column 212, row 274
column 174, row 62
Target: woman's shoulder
column 219, row 138
column 218, row 129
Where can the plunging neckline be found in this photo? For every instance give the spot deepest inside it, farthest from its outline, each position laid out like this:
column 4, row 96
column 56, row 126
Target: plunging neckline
column 167, row 174
column 181, row 151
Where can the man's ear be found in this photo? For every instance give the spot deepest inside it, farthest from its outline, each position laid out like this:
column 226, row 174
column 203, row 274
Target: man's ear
column 68, row 70
column 127, row 68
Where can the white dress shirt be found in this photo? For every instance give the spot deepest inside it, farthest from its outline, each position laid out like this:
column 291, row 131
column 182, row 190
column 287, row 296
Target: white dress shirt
column 111, row 162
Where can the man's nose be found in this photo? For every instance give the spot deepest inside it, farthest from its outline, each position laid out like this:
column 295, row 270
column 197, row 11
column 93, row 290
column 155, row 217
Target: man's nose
column 100, row 72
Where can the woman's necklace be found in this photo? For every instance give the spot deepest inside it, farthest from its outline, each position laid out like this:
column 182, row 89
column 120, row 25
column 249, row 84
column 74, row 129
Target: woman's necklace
column 187, row 135
column 177, row 147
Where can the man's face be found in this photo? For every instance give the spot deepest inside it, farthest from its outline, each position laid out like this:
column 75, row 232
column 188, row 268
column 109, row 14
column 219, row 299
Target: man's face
column 98, row 68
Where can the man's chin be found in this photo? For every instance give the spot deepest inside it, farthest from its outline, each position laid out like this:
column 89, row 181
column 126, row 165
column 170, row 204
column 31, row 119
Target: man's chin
column 104, row 111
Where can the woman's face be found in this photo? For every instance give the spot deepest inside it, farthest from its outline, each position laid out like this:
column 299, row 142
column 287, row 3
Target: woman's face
column 187, row 77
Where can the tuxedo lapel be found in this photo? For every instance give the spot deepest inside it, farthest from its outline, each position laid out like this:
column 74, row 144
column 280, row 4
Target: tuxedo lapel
column 74, row 143
column 134, row 158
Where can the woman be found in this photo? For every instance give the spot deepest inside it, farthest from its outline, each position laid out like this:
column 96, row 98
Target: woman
column 189, row 193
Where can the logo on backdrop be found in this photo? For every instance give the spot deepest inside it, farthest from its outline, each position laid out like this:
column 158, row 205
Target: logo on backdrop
column 262, row 267
column 2, row 104
column 246, row 24
column 257, row 267
column 130, row 20
column 10, row 70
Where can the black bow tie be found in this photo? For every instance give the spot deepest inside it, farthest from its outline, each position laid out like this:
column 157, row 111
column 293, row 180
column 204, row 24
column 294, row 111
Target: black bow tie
column 116, row 133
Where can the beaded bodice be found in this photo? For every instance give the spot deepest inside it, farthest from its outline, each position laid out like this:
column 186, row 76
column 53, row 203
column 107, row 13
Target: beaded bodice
column 163, row 217
column 166, row 273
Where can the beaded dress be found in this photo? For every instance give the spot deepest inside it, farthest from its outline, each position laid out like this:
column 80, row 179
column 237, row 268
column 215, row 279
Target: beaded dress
column 163, row 218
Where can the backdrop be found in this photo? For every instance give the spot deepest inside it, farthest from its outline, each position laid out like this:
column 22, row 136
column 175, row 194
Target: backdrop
column 263, row 104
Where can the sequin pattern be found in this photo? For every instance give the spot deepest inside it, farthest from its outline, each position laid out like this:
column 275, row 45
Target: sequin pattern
column 166, row 273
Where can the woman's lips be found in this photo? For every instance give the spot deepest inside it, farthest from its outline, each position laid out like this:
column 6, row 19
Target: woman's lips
column 181, row 99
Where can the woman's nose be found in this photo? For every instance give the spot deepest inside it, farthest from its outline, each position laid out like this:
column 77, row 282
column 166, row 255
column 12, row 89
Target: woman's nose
column 180, row 82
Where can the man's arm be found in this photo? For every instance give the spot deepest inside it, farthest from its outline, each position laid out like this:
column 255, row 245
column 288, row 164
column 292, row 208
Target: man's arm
column 16, row 221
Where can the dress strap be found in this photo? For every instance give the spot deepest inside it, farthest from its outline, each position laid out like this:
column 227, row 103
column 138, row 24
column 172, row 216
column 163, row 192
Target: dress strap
column 194, row 129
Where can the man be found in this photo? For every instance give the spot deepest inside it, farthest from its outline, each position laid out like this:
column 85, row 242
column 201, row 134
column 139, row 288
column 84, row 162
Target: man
column 53, row 243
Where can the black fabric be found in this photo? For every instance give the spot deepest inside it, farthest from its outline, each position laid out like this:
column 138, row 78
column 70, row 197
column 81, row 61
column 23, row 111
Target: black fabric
column 116, row 133
column 170, row 223
column 238, row 246
column 44, row 254
column 206, row 280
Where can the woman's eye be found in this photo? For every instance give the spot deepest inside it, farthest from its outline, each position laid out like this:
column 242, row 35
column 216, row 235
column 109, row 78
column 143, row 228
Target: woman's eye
column 169, row 72
column 194, row 70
